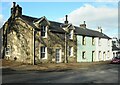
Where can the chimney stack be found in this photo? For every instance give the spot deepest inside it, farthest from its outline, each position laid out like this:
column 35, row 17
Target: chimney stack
column 66, row 19
column 99, row 29
column 16, row 10
column 14, row 3
column 83, row 25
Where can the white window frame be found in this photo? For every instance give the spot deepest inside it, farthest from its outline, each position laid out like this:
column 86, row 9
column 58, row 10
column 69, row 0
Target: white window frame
column 60, row 55
column 93, row 40
column 71, row 34
column 45, row 52
column 84, row 55
column 83, row 40
column 99, row 41
column 44, row 30
column 108, row 42
column 70, row 51
column 99, row 55
column 108, row 54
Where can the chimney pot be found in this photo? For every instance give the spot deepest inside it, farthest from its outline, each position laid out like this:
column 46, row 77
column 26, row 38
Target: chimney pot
column 83, row 25
column 66, row 20
column 14, row 3
column 99, row 29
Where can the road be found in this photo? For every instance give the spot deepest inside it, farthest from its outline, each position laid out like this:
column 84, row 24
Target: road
column 96, row 74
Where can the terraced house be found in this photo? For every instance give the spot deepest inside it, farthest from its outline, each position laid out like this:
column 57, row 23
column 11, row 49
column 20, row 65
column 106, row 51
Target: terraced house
column 39, row 40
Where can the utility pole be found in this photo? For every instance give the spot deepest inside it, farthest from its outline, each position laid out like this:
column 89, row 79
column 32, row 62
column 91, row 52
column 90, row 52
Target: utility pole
column 33, row 47
column 65, row 49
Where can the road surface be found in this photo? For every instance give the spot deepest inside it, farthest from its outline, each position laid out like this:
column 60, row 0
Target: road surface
column 96, row 74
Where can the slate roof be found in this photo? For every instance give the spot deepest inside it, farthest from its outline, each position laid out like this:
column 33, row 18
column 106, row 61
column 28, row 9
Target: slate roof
column 114, row 48
column 89, row 32
column 54, row 26
column 57, row 27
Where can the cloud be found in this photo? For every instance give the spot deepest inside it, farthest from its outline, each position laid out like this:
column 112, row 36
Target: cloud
column 106, row 17
column 106, row 0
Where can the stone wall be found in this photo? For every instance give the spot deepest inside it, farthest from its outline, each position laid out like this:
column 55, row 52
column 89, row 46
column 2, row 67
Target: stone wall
column 19, row 38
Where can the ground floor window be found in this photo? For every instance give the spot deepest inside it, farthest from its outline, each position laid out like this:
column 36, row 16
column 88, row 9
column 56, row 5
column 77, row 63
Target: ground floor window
column 83, row 55
column 113, row 54
column 43, row 51
column 93, row 56
column 70, row 51
column 104, row 55
column 99, row 55
column 7, row 50
column 108, row 54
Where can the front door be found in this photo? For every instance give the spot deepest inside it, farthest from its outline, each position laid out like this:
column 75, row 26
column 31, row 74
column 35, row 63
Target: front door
column 93, row 57
column 104, row 56
column 58, row 55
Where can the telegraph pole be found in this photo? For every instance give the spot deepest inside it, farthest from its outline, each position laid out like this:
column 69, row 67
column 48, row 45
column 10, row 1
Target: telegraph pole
column 65, row 49
column 33, row 46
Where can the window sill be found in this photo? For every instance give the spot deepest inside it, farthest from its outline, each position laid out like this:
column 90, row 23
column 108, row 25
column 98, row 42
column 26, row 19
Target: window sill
column 43, row 37
column 43, row 58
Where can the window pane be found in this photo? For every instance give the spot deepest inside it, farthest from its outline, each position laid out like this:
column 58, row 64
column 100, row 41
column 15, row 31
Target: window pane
column 42, row 52
column 43, row 30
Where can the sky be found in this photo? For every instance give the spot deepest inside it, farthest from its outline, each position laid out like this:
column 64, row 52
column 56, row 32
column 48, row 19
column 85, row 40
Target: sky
column 95, row 13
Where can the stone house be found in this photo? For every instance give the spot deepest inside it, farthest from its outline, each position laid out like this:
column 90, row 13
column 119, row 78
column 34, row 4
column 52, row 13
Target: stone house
column 37, row 40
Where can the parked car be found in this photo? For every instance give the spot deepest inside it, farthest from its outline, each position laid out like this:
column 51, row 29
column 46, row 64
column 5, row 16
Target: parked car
column 116, row 60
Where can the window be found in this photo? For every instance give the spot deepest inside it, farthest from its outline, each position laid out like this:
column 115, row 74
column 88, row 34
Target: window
column 108, row 42
column 93, row 41
column 99, row 55
column 99, row 41
column 43, row 52
column 43, row 31
column 71, row 34
column 8, row 50
column 83, row 40
column 83, row 55
column 108, row 54
column 70, row 51
column 93, row 56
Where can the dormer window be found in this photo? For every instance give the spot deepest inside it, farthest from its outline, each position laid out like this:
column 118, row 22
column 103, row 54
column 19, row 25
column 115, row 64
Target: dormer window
column 71, row 34
column 43, row 31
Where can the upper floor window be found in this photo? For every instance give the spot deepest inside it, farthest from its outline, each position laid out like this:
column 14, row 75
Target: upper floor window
column 70, row 51
column 83, row 40
column 93, row 41
column 108, row 42
column 43, row 31
column 43, row 52
column 99, row 41
column 71, row 34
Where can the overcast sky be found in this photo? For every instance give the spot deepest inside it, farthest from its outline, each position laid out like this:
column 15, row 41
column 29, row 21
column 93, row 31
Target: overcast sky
column 95, row 13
